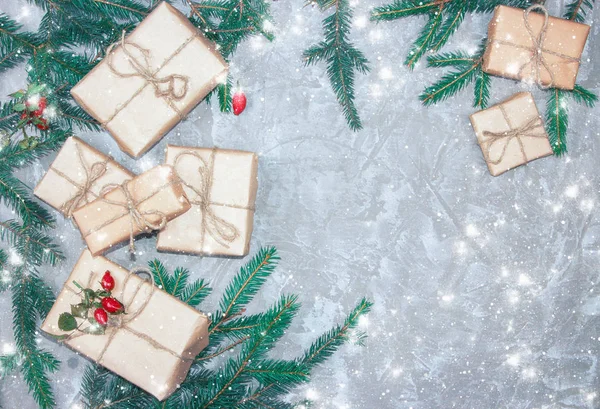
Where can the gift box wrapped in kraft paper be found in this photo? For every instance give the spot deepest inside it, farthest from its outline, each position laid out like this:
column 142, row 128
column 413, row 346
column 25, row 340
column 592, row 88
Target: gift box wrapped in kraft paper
column 152, row 345
column 530, row 45
column 151, row 79
column 511, row 133
column 77, row 175
column 141, row 205
column 221, row 186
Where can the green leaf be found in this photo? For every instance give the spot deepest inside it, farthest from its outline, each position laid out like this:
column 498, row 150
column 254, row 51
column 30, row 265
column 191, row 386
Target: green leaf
column 20, row 107
column 67, row 322
column 79, row 310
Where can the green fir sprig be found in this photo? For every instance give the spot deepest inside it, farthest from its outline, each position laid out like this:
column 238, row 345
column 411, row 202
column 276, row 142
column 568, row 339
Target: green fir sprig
column 247, row 377
column 341, row 56
column 228, row 23
column 444, row 17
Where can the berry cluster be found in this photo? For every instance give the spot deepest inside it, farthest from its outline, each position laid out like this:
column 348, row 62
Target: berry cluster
column 100, row 302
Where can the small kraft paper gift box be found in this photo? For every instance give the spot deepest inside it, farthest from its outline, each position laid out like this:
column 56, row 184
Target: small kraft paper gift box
column 77, row 175
column 511, row 133
column 141, row 205
column 221, row 186
column 151, row 79
column 530, row 46
column 152, row 345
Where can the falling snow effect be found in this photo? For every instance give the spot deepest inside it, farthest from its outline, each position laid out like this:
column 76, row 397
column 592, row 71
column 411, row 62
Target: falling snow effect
column 486, row 290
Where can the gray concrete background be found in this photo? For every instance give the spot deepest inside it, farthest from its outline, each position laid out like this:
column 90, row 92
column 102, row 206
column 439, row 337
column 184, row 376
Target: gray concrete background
column 486, row 289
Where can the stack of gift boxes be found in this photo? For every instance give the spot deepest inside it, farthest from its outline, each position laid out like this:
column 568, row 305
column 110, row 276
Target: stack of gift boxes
column 531, row 46
column 201, row 200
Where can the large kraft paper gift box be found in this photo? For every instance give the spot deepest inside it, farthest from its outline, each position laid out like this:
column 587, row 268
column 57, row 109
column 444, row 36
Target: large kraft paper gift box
column 151, row 80
column 77, row 175
column 511, row 133
column 141, row 205
column 515, row 36
column 221, row 186
column 156, row 341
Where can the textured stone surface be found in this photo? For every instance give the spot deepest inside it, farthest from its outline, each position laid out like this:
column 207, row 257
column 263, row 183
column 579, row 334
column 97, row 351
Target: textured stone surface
column 486, row 289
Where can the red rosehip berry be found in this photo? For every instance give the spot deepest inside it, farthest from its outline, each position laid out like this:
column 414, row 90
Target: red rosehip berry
column 112, row 305
column 239, row 102
column 43, row 125
column 24, row 115
column 101, row 316
column 41, row 107
column 108, row 282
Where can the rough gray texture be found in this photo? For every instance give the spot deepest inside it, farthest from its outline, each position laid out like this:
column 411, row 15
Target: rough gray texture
column 486, row 289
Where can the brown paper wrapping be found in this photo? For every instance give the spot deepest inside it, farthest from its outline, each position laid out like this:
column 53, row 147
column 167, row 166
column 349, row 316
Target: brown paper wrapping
column 155, row 193
column 128, row 107
column 231, row 198
column 180, row 330
column 77, row 163
column 520, row 110
column 511, row 47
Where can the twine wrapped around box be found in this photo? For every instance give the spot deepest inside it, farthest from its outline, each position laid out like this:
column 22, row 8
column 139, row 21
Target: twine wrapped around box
column 152, row 345
column 525, row 45
column 221, row 187
column 151, row 79
column 77, row 175
column 123, row 211
column 511, row 133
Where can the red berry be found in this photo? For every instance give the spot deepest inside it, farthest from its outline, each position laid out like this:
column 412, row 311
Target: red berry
column 239, row 102
column 101, row 316
column 43, row 125
column 24, row 115
column 41, row 106
column 108, row 282
column 112, row 305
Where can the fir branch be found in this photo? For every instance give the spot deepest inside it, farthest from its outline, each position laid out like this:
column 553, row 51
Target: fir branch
column 177, row 284
column 317, row 354
column 234, row 374
column 403, row 8
column 249, row 378
column 329, row 342
column 245, row 285
column 8, row 364
column 14, row 46
column 482, row 90
column 583, row 96
column 15, row 194
column 425, row 40
column 342, row 59
column 36, row 362
column 34, row 246
column 578, row 10
column 452, row 59
column 450, row 84
column 557, row 120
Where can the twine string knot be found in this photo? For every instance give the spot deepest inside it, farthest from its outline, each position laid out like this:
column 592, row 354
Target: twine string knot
column 177, row 85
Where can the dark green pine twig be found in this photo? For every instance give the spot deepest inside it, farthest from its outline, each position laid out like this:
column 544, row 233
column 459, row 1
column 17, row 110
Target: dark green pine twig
column 228, row 23
column 557, row 114
column 341, row 56
column 444, row 17
column 248, row 377
column 578, row 10
column 467, row 69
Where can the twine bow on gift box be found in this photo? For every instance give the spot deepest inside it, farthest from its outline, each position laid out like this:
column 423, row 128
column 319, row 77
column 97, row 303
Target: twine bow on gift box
column 137, row 218
column 538, row 60
column 120, row 322
column 95, row 172
column 219, row 229
column 143, row 69
column 514, row 133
